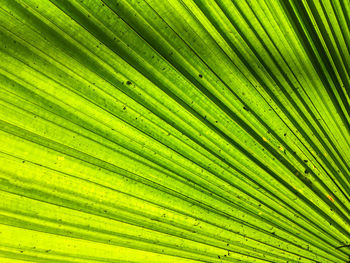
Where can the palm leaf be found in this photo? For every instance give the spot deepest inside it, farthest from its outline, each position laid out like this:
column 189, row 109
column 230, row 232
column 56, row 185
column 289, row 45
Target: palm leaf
column 174, row 131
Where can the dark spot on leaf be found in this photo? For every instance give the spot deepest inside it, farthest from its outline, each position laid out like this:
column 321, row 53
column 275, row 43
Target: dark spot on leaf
column 200, row 75
column 128, row 82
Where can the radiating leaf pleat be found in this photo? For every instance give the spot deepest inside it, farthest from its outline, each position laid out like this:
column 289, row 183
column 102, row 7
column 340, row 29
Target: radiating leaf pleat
column 174, row 131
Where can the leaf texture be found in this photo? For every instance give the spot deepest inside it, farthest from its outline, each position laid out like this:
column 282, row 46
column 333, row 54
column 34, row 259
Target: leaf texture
column 174, row 131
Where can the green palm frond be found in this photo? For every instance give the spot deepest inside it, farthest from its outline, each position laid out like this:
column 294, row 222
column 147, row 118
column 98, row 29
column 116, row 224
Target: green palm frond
column 171, row 131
